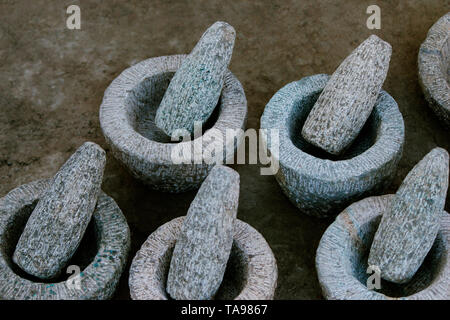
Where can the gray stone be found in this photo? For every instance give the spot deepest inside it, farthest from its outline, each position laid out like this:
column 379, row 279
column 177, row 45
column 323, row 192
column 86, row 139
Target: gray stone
column 195, row 88
column 347, row 100
column 434, row 68
column 57, row 224
column 204, row 243
column 408, row 229
column 341, row 259
column 315, row 181
column 127, row 121
column 251, row 271
column 101, row 257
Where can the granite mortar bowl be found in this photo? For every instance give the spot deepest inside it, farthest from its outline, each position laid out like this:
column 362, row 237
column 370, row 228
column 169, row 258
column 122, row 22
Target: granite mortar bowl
column 101, row 255
column 434, row 68
column 251, row 271
column 341, row 259
column 127, row 116
column 316, row 182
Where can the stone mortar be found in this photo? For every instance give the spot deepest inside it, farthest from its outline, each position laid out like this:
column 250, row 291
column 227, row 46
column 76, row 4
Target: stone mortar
column 101, row 255
column 251, row 271
column 341, row 259
column 434, row 68
column 320, row 184
column 127, row 118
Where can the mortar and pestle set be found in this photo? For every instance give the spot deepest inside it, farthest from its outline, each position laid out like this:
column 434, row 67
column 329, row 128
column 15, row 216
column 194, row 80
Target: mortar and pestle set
column 48, row 226
column 406, row 237
column 208, row 254
column 340, row 137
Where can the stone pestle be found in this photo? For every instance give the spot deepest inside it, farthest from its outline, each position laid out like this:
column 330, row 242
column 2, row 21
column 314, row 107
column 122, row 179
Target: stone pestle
column 59, row 220
column 409, row 227
column 348, row 98
column 204, row 244
column 195, row 89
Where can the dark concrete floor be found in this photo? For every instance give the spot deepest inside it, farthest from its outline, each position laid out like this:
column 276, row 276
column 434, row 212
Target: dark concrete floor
column 52, row 81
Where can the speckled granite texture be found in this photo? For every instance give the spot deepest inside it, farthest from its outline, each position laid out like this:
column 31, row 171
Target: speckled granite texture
column 348, row 98
column 195, row 88
column 127, row 121
column 101, row 257
column 434, row 68
column 251, row 272
column 57, row 224
column 204, row 243
column 341, row 259
column 409, row 227
column 319, row 184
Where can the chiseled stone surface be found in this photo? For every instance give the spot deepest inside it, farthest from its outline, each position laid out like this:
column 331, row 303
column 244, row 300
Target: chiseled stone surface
column 57, row 224
column 127, row 121
column 434, row 68
column 195, row 88
column 408, row 229
column 251, row 273
column 315, row 184
column 341, row 259
column 349, row 97
column 204, row 244
column 99, row 276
